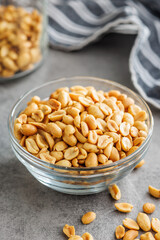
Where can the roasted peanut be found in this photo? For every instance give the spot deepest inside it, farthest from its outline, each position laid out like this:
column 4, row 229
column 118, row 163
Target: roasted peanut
column 69, row 230
column 124, row 207
column 130, row 224
column 144, row 222
column 154, row 191
column 88, row 217
column 155, row 224
column 91, row 160
column 28, row 129
column 87, row 236
column 147, row 236
column 149, row 208
column 115, row 192
column 130, row 235
column 120, row 232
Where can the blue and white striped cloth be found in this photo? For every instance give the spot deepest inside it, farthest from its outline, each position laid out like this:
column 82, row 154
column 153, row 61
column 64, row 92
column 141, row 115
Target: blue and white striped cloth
column 74, row 24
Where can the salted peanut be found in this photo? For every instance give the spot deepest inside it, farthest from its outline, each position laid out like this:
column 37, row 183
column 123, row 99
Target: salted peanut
column 28, row 129
column 57, row 155
column 17, row 130
column 91, row 160
column 75, row 237
column 102, row 158
column 49, row 139
column 48, row 158
column 79, row 145
column 69, row 130
column 117, row 117
column 122, row 154
column 78, row 88
column 124, row 207
column 9, row 64
column 34, row 99
column 21, row 119
column 138, row 141
column 140, row 164
column 22, row 141
column 143, row 222
column 91, row 122
column 95, row 111
column 81, row 161
column 127, row 102
column 112, row 126
column 41, row 141
column 56, row 115
column 64, row 163
column 126, row 144
column 60, row 146
column 75, row 162
column 38, row 115
column 134, row 131
column 90, row 147
column 61, row 125
column 140, row 116
column 107, row 151
column 78, row 105
column 114, row 155
column 23, row 60
column 157, row 236
column 88, row 217
column 130, row 224
column 31, row 146
column 71, row 140
column 63, row 98
column 71, row 153
column 79, row 136
column 53, row 129
column 130, row 235
column 111, row 103
column 73, row 111
column 127, row 117
column 132, row 149
column 114, row 135
column 141, row 126
column 115, row 192
column 68, row 119
column 69, row 230
column 124, row 128
column 142, row 134
column 134, row 109
column 154, row 191
column 149, row 208
column 41, row 126
column 31, row 109
column 101, row 124
column 120, row 232
column 114, row 93
column 82, row 154
column 118, row 145
column 147, row 236
column 105, row 109
column 155, row 224
column 54, row 104
column 92, row 137
column 85, row 102
column 120, row 106
column 84, row 129
column 75, row 96
column 103, row 141
column 77, row 121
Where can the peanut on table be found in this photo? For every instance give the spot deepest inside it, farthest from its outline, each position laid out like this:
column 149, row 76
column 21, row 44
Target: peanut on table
column 81, row 127
column 20, row 33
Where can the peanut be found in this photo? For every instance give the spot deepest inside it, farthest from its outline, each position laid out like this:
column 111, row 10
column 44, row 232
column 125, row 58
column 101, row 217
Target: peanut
column 155, row 224
column 87, row 236
column 154, row 191
column 88, row 217
column 143, row 222
column 69, row 230
column 147, row 236
column 149, row 208
column 130, row 235
column 115, row 192
column 124, row 207
column 120, row 232
column 130, row 224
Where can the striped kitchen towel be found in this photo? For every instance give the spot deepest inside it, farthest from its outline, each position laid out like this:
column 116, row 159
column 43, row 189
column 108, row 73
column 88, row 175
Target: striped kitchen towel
column 74, row 24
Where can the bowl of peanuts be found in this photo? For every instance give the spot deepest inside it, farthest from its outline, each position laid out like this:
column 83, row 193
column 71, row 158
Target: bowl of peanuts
column 23, row 37
column 79, row 135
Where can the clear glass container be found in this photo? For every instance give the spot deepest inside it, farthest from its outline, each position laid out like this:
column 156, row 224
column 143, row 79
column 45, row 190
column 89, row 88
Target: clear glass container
column 23, row 37
column 72, row 180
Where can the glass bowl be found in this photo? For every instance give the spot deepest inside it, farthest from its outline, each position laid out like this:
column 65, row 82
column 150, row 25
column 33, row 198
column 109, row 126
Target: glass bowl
column 72, row 180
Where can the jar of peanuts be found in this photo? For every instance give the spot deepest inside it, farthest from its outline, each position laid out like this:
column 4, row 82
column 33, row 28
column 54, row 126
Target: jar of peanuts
column 23, row 37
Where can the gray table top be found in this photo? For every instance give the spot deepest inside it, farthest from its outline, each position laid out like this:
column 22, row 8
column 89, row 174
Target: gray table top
column 29, row 210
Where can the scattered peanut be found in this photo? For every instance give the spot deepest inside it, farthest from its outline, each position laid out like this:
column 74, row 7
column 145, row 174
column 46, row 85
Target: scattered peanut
column 115, row 192
column 154, row 191
column 149, row 208
column 130, row 235
column 120, row 232
column 124, row 207
column 130, row 224
column 87, row 236
column 88, row 217
column 69, row 230
column 143, row 222
column 140, row 164
column 147, row 236
column 155, row 224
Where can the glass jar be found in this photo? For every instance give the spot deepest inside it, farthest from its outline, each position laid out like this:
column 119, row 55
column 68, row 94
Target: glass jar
column 23, row 37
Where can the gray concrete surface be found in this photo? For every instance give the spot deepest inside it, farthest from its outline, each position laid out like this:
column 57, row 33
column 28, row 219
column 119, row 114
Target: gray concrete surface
column 31, row 211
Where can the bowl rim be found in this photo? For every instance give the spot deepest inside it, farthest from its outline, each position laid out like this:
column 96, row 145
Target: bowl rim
column 128, row 159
